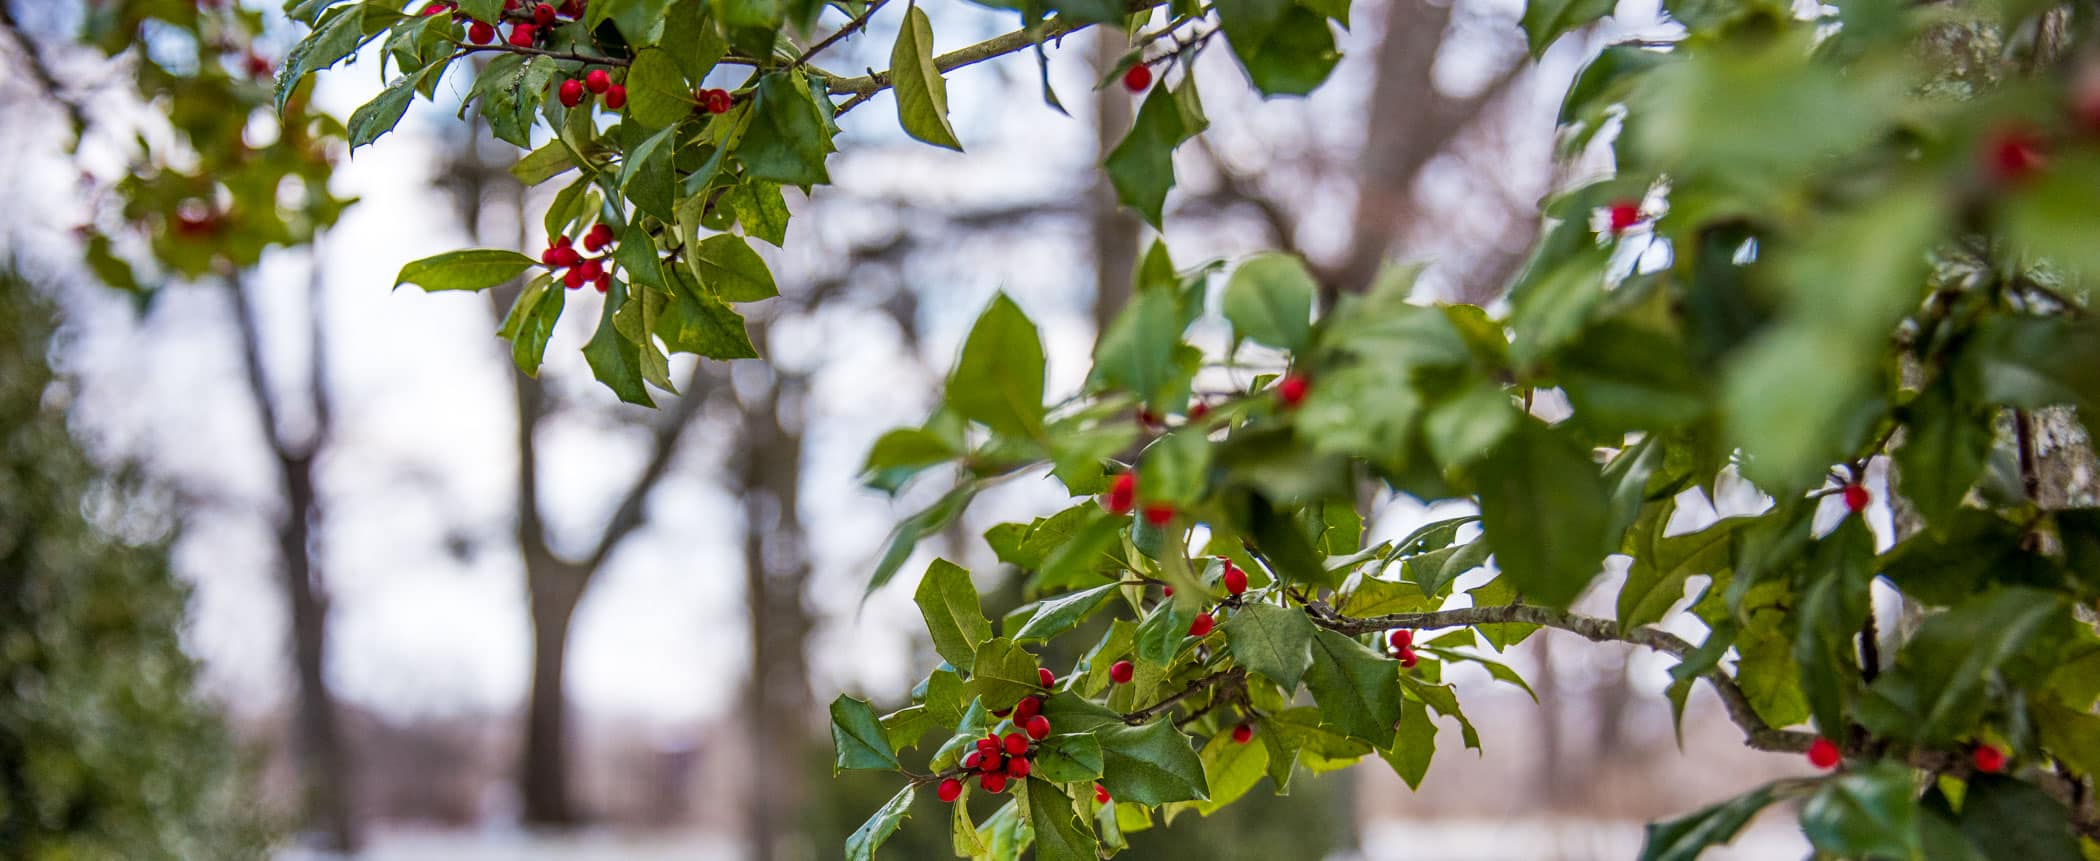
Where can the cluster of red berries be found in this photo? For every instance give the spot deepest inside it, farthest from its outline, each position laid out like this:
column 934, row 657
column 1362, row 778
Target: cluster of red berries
column 999, row 758
column 714, row 101
column 1122, row 497
column 526, row 25
column 597, row 81
column 1401, row 643
column 562, row 254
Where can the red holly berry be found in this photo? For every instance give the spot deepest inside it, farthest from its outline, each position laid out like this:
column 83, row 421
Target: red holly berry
column 616, row 97
column 564, row 255
column 1122, row 494
column 1408, row 659
column 604, row 282
column 1148, row 418
column 1038, row 727
column 543, row 14
column 600, row 235
column 1823, row 753
column 573, row 279
column 972, row 760
column 1167, row 591
column 563, row 240
column 1028, row 707
column 572, row 8
column 591, row 268
column 1400, row 638
column 1988, row 759
column 1856, row 498
column 1242, row 734
column 1624, row 214
column 551, row 256
column 993, row 783
column 1198, row 410
column 521, row 35
column 511, row 5
column 436, row 9
column 1100, row 794
column 1015, row 743
column 1017, row 768
column 1291, row 391
column 1235, row 579
column 1159, row 513
column 598, row 80
column 719, row 101
column 1048, row 678
column 950, row 790
column 1122, row 672
column 481, row 33
column 1201, row 627
column 1138, row 79
column 2013, row 155
column 572, row 95
column 256, row 65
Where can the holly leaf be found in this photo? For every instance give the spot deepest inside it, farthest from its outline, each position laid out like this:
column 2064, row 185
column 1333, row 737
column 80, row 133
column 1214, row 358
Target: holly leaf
column 999, row 379
column 862, row 843
column 1141, row 167
column 922, row 96
column 858, row 738
column 1063, row 613
column 1150, row 764
column 1269, row 300
column 948, row 601
column 1060, row 834
column 1068, row 757
column 1686, row 838
column 1275, row 642
column 728, row 266
column 1545, row 20
column 1001, row 674
column 1548, row 511
column 1863, row 813
column 471, row 269
column 1358, row 691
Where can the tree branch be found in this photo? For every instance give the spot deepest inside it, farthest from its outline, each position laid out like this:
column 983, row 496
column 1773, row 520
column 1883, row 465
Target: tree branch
column 1757, row 734
column 631, row 513
column 866, row 86
column 1232, row 676
column 859, row 22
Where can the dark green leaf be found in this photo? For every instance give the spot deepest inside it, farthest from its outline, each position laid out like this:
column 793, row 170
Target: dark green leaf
column 1060, row 833
column 862, row 843
column 1002, row 673
column 922, row 96
column 1275, row 642
column 1150, row 764
column 948, row 601
column 1269, row 300
column 1869, row 812
column 789, row 135
column 1358, row 691
column 1686, row 838
column 1063, row 613
column 658, row 95
column 1142, row 166
column 1545, row 20
column 999, row 379
column 1547, row 510
column 1068, row 757
column 858, row 738
column 471, row 269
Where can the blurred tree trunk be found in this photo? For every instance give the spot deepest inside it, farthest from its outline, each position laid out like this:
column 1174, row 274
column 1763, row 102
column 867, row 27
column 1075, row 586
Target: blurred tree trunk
column 325, row 771
column 1613, row 698
column 1552, row 780
column 777, row 702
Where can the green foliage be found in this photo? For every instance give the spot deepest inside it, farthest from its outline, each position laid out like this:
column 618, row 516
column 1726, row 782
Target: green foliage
column 1847, row 257
column 109, row 752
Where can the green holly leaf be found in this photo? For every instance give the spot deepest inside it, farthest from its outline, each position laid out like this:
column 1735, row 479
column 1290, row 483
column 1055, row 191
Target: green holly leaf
column 1068, row 757
column 1230, row 769
column 906, row 536
column 948, row 601
column 1269, row 300
column 1141, row 167
column 471, row 269
column 1060, row 833
column 858, row 737
column 1150, row 764
column 1414, row 745
column 789, row 134
column 658, row 95
column 378, row 116
column 1274, row 642
column 1867, row 812
column 922, row 96
column 699, row 323
column 1136, row 353
column 1943, row 452
column 1063, row 613
column 1002, row 673
column 337, row 34
column 1545, row 20
column 999, row 379
column 1547, row 510
column 615, row 360
column 1358, row 691
column 530, row 322
column 1686, row 838
column 1662, row 564
column 1938, row 689
column 728, row 266
column 862, row 843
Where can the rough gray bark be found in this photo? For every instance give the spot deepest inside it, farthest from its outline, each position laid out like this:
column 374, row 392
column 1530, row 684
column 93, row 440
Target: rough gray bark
column 777, row 699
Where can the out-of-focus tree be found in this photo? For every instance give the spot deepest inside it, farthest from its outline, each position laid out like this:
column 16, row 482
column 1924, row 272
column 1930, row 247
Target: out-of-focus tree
column 106, row 750
column 216, row 173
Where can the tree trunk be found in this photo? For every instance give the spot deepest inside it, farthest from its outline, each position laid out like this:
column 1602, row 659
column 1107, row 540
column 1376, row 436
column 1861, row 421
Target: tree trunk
column 543, row 769
column 325, row 771
column 777, row 702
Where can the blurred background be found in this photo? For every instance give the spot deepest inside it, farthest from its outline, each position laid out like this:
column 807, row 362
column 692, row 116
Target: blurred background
column 449, row 612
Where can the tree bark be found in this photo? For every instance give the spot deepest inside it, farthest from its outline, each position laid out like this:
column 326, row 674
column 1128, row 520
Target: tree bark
column 543, row 769
column 326, row 780
column 776, row 569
